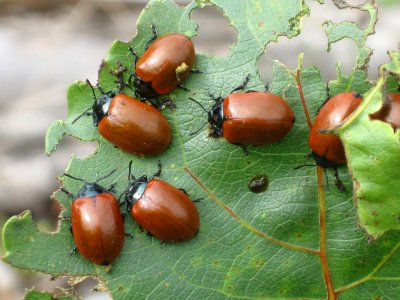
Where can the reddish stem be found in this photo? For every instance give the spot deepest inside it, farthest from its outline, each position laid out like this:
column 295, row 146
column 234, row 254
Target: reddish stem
column 303, row 101
column 322, row 236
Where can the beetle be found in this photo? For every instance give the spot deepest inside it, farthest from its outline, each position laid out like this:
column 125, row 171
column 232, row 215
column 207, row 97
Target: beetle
column 161, row 209
column 390, row 111
column 250, row 118
column 165, row 63
column 327, row 149
column 97, row 223
column 130, row 124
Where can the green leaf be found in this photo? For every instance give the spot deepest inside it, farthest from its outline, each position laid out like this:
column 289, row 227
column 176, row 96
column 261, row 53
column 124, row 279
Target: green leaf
column 336, row 32
column 292, row 241
column 36, row 295
column 372, row 147
column 394, row 66
column 54, row 136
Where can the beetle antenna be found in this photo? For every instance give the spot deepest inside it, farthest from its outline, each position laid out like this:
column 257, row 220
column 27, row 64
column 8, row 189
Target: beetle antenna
column 130, row 176
column 194, row 100
column 76, row 178
column 91, row 86
column 81, row 115
column 305, row 165
column 198, row 130
column 154, row 32
column 108, row 175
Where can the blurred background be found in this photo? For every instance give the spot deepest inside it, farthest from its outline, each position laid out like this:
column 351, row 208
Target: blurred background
column 47, row 44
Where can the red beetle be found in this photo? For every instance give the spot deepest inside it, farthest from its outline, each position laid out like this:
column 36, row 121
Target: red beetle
column 97, row 223
column 161, row 209
column 327, row 149
column 164, row 65
column 390, row 111
column 129, row 124
column 251, row 118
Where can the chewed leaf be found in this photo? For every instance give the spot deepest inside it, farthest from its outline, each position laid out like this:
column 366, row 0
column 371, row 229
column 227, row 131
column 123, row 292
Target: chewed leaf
column 26, row 246
column 338, row 31
column 293, row 240
column 373, row 152
column 54, row 135
column 394, row 66
column 36, row 295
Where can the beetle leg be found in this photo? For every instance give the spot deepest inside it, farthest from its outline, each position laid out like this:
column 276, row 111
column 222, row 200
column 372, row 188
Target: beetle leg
column 133, row 73
column 243, row 85
column 304, row 165
column 158, row 174
column 119, row 74
column 154, row 31
column 135, row 58
column 183, row 88
column 65, row 218
column 64, row 190
column 134, row 54
column 145, row 231
column 119, row 199
column 193, row 200
column 197, row 200
column 73, row 250
column 327, row 180
column 160, row 104
column 183, row 190
column 128, row 235
column 216, row 99
column 196, row 71
column 338, row 182
column 244, row 148
column 167, row 102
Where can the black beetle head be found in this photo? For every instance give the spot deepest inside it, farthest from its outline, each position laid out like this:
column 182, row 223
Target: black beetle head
column 144, row 88
column 100, row 108
column 91, row 189
column 134, row 191
column 216, row 118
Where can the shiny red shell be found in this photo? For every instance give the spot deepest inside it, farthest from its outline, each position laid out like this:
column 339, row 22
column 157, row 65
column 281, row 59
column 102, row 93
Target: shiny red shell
column 331, row 114
column 166, row 212
column 135, row 126
column 390, row 111
column 256, row 118
column 159, row 63
column 98, row 228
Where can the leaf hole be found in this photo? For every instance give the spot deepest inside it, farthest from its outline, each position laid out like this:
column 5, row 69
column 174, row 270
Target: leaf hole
column 214, row 34
column 386, row 29
column 312, row 41
column 90, row 287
